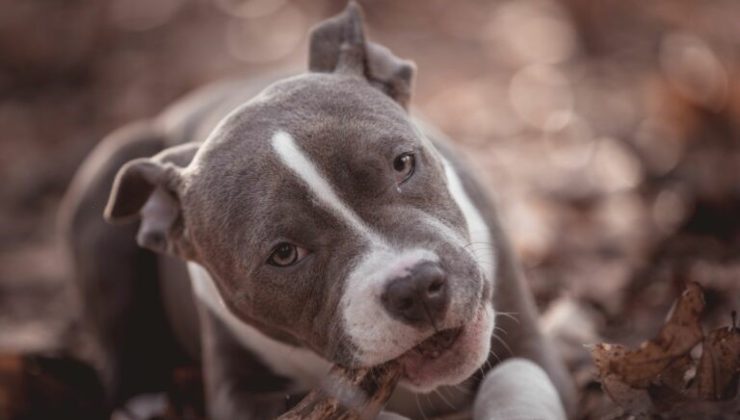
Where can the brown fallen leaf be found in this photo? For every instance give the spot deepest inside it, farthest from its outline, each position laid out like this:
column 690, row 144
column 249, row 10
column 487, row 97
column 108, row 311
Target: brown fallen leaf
column 664, row 390
column 635, row 401
column 679, row 375
column 663, row 375
column 719, row 367
column 673, row 385
column 640, row 368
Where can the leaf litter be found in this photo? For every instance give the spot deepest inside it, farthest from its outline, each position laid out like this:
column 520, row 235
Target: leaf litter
column 679, row 373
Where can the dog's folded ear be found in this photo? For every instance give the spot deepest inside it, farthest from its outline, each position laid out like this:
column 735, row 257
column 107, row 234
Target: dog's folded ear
column 338, row 45
column 149, row 189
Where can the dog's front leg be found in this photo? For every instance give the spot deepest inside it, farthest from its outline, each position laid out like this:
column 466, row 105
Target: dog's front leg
column 517, row 389
column 517, row 330
column 237, row 385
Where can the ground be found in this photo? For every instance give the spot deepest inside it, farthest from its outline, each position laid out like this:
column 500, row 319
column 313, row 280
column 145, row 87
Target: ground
column 608, row 133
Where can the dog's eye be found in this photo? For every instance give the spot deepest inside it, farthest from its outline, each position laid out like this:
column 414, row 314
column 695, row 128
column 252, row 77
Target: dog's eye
column 404, row 165
column 286, row 254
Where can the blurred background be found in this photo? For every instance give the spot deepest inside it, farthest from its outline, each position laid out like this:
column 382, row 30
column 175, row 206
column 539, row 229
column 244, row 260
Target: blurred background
column 608, row 132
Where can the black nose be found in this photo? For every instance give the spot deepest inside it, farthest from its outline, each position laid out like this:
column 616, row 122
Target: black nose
column 420, row 298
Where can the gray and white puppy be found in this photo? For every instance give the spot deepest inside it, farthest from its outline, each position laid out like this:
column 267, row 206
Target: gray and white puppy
column 319, row 224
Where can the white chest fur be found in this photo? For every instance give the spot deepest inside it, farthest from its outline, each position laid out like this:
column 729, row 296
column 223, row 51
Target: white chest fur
column 303, row 366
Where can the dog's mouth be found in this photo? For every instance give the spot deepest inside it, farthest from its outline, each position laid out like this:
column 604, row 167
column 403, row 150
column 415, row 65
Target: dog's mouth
column 449, row 356
column 436, row 345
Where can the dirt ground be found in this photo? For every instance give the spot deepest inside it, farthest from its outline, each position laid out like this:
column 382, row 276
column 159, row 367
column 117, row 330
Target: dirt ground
column 608, row 132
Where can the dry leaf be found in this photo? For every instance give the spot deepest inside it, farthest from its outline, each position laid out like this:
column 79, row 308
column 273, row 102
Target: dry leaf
column 635, row 401
column 719, row 367
column 679, row 374
column 642, row 367
column 663, row 376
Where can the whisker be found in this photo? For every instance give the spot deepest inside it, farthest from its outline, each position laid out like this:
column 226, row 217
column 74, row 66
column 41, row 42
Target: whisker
column 418, row 404
column 486, row 245
column 489, row 365
column 470, row 250
column 509, row 315
column 459, row 388
column 482, row 373
column 479, row 245
column 442, row 397
column 488, row 360
column 429, row 401
column 506, row 346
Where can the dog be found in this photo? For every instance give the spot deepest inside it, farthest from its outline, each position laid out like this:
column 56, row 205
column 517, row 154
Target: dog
column 301, row 223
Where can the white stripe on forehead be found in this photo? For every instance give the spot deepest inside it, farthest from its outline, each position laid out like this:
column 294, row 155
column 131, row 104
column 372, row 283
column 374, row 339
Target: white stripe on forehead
column 298, row 162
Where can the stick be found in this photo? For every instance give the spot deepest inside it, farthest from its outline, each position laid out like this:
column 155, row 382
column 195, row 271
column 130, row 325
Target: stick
column 349, row 394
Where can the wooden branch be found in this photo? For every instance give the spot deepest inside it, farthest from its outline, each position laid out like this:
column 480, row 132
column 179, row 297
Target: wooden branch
column 349, row 394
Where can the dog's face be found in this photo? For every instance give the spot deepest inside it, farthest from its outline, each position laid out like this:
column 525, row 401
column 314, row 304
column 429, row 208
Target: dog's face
column 327, row 219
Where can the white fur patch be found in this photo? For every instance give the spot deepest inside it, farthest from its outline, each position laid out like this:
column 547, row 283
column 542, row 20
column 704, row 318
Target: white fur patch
column 304, row 366
column 295, row 159
column 478, row 231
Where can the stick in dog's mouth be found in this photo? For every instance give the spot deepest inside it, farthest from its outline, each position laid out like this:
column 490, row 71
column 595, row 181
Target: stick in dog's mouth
column 362, row 392
column 349, row 394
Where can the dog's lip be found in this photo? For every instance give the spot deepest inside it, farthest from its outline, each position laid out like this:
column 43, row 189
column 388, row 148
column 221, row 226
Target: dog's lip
column 431, row 352
column 436, row 345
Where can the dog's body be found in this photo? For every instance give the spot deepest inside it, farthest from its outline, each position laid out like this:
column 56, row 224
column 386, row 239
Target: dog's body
column 320, row 224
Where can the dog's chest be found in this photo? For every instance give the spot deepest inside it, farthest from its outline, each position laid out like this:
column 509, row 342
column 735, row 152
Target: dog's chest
column 304, row 367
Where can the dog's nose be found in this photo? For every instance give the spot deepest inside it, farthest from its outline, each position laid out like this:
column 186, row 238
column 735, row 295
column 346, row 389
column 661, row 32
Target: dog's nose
column 420, row 298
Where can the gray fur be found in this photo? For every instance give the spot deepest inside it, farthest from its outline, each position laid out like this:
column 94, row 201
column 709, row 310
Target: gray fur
column 225, row 201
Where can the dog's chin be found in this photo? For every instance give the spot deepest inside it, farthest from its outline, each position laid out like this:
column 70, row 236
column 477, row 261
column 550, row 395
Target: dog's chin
column 450, row 356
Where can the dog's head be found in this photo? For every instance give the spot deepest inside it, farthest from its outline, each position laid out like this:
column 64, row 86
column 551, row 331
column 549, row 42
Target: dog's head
column 327, row 219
